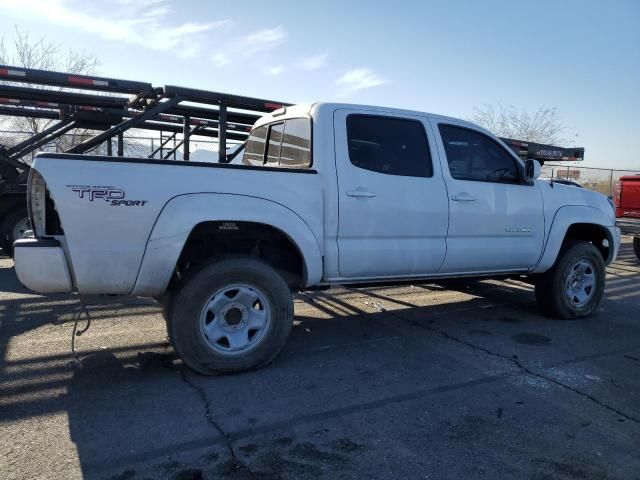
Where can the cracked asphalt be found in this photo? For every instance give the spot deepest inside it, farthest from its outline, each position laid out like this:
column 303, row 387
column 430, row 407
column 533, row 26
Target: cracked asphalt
column 455, row 380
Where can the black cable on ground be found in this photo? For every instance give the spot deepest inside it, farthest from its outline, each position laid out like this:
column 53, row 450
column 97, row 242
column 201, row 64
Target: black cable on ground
column 76, row 332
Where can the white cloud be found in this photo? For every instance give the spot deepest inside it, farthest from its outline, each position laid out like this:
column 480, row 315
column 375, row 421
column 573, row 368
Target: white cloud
column 268, row 35
column 358, row 79
column 263, row 40
column 146, row 23
column 220, row 60
column 314, row 62
column 156, row 12
column 189, row 51
column 277, row 70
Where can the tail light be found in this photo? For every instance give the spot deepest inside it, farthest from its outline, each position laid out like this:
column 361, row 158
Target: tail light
column 618, row 194
column 36, row 202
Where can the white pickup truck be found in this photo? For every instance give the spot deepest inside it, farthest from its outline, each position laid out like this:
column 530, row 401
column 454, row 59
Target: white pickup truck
column 325, row 194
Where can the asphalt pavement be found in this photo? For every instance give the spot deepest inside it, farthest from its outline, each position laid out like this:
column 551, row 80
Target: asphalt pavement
column 455, row 380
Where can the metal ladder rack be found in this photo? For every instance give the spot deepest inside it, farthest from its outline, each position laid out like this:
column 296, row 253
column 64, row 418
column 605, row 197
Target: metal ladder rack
column 69, row 80
column 542, row 152
column 121, row 105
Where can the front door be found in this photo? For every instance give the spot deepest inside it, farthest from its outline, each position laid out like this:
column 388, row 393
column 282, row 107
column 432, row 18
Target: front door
column 393, row 208
column 496, row 219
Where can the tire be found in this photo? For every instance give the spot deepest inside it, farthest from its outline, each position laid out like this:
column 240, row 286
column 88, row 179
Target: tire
column 231, row 315
column 167, row 302
column 636, row 246
column 559, row 291
column 14, row 220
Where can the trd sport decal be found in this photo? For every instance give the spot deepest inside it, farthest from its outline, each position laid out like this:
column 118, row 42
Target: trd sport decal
column 115, row 197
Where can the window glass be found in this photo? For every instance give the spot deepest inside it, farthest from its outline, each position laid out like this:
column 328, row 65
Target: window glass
column 389, row 145
column 474, row 156
column 254, row 151
column 296, row 143
column 273, row 145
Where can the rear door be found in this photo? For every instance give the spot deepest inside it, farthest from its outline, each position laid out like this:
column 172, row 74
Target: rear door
column 393, row 208
column 496, row 219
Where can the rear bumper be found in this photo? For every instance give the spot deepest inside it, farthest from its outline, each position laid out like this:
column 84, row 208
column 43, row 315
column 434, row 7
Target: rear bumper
column 629, row 226
column 41, row 265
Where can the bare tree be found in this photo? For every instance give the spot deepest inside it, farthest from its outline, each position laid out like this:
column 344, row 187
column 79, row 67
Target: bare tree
column 40, row 54
column 543, row 126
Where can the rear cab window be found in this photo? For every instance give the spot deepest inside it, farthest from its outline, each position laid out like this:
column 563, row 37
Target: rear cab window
column 254, row 151
column 285, row 143
column 389, row 145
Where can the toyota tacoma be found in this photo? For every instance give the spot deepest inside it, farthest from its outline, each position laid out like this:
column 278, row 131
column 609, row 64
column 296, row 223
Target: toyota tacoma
column 323, row 194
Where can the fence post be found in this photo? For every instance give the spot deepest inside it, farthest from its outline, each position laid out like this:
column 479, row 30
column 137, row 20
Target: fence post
column 611, row 184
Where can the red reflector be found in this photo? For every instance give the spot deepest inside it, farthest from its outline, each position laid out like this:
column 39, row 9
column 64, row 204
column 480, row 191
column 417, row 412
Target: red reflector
column 5, row 72
column 80, row 80
column 87, row 81
column 272, row 106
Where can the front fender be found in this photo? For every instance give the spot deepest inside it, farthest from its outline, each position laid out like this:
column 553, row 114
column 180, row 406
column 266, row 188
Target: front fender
column 563, row 219
column 181, row 214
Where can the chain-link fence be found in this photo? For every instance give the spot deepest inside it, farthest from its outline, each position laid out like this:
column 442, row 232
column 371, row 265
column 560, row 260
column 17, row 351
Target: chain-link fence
column 601, row 180
column 141, row 144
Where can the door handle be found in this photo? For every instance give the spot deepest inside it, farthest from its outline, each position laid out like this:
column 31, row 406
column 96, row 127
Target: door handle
column 463, row 197
column 360, row 194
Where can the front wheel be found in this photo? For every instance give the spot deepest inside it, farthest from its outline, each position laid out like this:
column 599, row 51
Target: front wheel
column 574, row 286
column 232, row 315
column 636, row 246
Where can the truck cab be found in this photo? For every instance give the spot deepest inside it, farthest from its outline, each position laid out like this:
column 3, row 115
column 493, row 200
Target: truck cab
column 406, row 212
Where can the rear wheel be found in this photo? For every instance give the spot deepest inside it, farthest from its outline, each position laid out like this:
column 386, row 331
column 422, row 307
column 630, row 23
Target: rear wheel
column 13, row 227
column 232, row 315
column 167, row 302
column 573, row 287
column 636, row 246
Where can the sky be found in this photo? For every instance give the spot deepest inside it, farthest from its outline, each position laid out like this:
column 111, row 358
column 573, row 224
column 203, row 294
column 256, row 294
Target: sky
column 440, row 56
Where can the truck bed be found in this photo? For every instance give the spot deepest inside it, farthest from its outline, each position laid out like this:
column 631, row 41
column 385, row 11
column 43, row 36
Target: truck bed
column 122, row 199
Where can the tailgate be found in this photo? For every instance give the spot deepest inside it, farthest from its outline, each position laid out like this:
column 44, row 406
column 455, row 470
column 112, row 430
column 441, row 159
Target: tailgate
column 630, row 195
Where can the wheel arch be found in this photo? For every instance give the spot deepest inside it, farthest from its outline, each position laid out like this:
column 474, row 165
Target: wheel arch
column 578, row 223
column 217, row 216
column 222, row 238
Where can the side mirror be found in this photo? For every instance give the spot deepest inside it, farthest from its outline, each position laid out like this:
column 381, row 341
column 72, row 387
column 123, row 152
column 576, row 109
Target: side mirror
column 532, row 169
